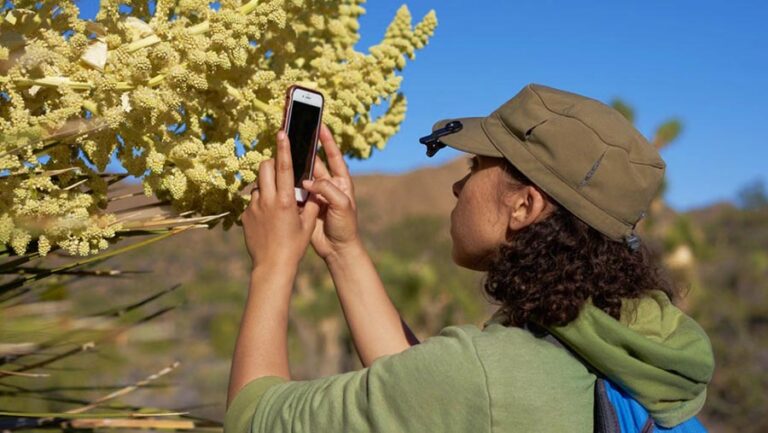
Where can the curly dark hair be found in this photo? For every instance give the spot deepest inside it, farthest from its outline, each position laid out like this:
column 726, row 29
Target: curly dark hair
column 547, row 271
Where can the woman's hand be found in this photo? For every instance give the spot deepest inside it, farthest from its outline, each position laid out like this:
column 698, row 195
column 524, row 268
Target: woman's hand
column 336, row 228
column 277, row 230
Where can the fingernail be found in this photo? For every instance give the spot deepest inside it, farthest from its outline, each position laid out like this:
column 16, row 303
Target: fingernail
column 281, row 135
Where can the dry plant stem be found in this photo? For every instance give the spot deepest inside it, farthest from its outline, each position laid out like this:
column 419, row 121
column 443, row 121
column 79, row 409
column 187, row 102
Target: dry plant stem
column 14, row 373
column 100, row 415
column 121, row 392
column 97, row 258
column 124, row 196
column 96, row 272
column 114, row 312
column 119, row 311
column 91, row 344
column 126, row 390
column 127, row 423
column 83, row 347
column 166, row 223
column 43, row 173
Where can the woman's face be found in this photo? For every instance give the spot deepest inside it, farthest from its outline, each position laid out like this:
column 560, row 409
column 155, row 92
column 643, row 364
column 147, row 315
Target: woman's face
column 477, row 227
column 488, row 210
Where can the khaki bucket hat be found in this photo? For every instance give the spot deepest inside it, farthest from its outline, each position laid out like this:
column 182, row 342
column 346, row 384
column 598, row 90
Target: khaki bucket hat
column 586, row 155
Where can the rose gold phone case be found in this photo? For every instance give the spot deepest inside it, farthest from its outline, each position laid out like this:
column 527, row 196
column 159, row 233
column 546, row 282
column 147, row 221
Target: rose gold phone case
column 316, row 136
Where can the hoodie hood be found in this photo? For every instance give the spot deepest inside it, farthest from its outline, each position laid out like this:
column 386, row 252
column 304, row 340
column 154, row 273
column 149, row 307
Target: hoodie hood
column 656, row 353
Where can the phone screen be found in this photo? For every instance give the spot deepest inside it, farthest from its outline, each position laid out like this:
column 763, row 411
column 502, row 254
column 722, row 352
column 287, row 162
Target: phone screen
column 301, row 133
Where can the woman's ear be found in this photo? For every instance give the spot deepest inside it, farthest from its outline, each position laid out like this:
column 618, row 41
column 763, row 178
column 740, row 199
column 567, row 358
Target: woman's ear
column 525, row 206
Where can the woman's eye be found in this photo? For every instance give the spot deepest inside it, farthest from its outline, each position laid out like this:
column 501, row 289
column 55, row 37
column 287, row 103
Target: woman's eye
column 471, row 164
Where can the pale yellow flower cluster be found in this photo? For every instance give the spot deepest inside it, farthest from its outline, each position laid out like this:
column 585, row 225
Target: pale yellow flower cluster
column 44, row 211
column 168, row 93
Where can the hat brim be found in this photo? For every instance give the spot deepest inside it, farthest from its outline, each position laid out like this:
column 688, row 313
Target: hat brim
column 471, row 138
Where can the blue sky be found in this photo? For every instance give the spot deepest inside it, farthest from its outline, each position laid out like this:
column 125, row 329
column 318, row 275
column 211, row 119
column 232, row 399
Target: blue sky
column 702, row 62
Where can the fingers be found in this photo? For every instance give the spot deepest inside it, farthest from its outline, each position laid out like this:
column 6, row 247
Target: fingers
column 284, row 177
column 335, row 157
column 267, row 178
column 254, row 193
column 319, row 171
column 276, row 174
column 335, row 197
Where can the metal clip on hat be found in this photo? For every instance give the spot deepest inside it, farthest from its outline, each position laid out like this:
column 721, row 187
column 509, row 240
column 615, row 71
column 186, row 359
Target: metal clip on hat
column 432, row 141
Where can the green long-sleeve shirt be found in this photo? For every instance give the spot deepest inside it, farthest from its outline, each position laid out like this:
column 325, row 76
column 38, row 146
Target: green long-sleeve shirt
column 495, row 379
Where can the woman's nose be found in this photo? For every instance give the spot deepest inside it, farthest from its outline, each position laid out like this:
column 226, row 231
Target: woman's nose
column 458, row 185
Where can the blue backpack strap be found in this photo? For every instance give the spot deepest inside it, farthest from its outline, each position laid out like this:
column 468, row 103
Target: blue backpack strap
column 605, row 418
column 631, row 415
column 634, row 418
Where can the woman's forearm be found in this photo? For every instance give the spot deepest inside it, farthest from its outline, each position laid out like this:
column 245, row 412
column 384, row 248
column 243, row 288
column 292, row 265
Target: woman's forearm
column 261, row 348
column 376, row 326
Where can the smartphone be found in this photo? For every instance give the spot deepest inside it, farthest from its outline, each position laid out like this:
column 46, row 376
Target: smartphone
column 301, row 121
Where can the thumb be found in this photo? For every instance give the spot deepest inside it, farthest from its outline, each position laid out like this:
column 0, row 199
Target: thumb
column 309, row 213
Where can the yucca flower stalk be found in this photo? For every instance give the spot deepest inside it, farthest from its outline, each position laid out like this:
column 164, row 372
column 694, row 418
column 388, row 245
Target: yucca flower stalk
column 170, row 94
column 188, row 99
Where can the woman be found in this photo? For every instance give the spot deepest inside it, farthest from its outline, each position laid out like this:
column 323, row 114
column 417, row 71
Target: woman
column 548, row 211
